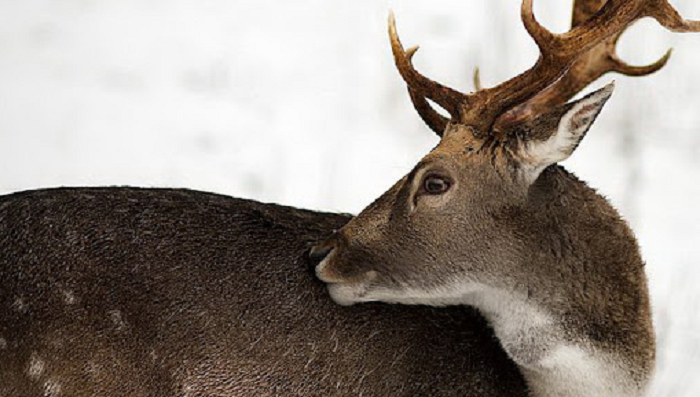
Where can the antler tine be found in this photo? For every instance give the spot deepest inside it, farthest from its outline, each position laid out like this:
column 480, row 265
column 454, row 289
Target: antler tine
column 430, row 116
column 543, row 37
column 622, row 67
column 598, row 61
column 451, row 100
column 476, row 78
column 583, row 10
column 668, row 17
column 557, row 54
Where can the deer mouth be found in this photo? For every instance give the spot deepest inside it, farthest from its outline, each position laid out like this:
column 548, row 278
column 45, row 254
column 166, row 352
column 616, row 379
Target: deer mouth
column 324, row 270
column 344, row 290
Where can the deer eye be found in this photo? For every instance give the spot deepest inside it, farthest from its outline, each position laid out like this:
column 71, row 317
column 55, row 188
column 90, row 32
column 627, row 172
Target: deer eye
column 434, row 184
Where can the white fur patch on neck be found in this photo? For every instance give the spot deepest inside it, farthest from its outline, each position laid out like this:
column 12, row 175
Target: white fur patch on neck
column 552, row 364
column 526, row 332
column 574, row 371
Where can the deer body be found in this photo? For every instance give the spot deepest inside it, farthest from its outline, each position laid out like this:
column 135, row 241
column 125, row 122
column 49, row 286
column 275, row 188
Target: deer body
column 162, row 293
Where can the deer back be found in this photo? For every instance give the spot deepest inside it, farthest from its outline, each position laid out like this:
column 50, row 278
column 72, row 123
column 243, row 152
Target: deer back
column 136, row 292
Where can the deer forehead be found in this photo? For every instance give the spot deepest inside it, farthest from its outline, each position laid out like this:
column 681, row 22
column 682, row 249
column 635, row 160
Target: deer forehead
column 458, row 139
column 463, row 143
column 463, row 149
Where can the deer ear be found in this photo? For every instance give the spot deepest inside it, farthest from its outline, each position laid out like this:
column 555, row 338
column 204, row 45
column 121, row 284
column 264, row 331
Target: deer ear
column 555, row 135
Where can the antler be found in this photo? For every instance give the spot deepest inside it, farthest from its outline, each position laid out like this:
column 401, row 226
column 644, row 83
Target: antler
column 444, row 96
column 559, row 53
column 600, row 60
column 432, row 118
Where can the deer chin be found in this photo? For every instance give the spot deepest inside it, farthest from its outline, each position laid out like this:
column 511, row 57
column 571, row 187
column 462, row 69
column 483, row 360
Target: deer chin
column 348, row 294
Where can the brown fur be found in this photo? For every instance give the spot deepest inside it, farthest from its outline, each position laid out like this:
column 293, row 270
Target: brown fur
column 554, row 243
column 162, row 293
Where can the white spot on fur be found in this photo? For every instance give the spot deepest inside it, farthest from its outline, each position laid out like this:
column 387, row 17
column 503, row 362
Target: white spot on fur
column 52, row 388
column 93, row 368
column 20, row 305
column 188, row 389
column 68, row 297
column 36, row 366
column 3, row 344
column 117, row 320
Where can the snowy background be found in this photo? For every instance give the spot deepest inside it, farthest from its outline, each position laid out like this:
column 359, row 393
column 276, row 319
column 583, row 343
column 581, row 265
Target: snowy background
column 297, row 102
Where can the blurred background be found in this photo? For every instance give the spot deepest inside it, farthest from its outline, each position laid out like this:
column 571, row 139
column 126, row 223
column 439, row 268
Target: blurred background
column 298, row 102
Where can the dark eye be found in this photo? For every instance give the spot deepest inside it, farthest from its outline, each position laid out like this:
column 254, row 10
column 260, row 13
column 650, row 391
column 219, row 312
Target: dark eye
column 434, row 184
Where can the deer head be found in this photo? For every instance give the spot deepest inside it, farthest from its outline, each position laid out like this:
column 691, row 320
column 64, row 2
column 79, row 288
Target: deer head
column 442, row 225
column 488, row 218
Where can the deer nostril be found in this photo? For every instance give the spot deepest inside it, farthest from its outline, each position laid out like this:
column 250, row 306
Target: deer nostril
column 319, row 252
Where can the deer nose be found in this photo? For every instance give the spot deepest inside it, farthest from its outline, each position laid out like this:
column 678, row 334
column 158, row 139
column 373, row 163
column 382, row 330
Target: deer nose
column 319, row 252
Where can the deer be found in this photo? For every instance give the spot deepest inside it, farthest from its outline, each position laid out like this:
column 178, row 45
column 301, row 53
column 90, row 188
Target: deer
column 514, row 278
column 170, row 292
column 488, row 218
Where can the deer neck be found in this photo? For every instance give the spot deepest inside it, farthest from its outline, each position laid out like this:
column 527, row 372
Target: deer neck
column 555, row 360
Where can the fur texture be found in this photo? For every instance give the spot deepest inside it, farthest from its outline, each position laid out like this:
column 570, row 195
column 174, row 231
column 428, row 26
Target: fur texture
column 162, row 293
column 545, row 258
